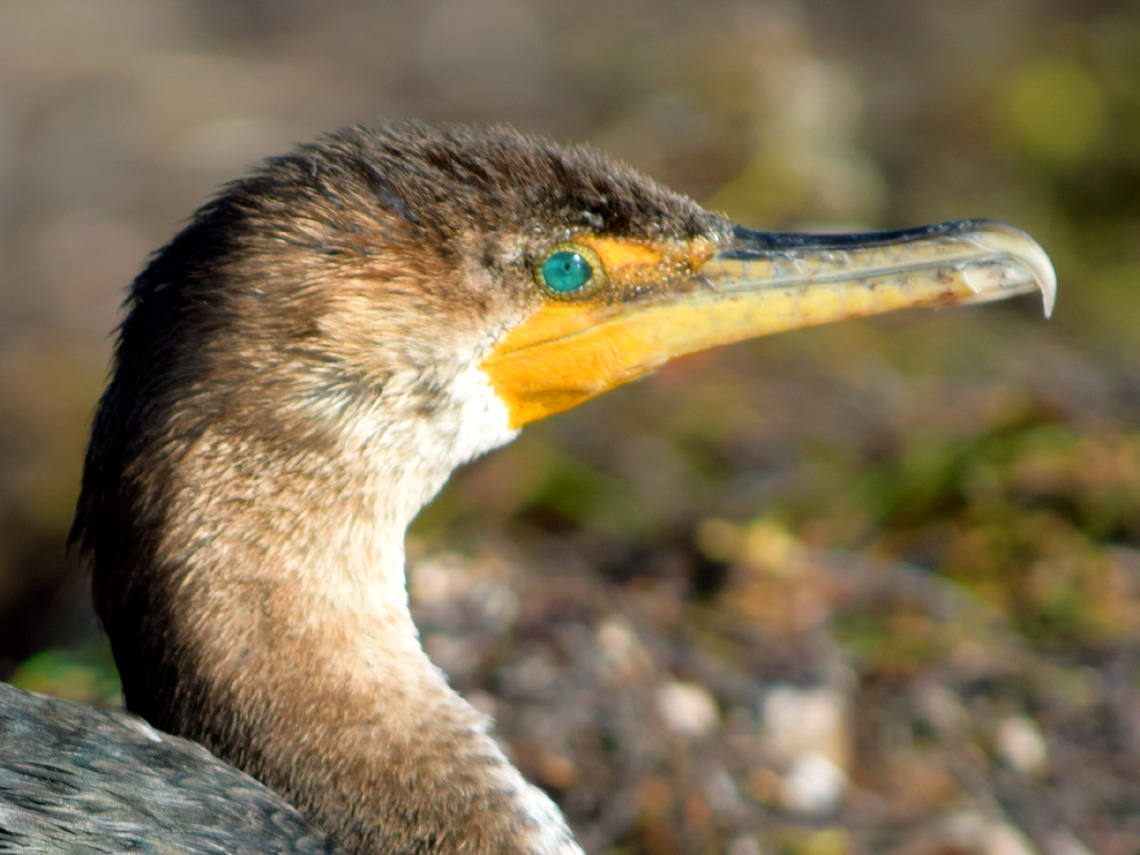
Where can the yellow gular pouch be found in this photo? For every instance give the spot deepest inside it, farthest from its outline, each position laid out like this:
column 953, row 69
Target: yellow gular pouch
column 575, row 346
column 616, row 308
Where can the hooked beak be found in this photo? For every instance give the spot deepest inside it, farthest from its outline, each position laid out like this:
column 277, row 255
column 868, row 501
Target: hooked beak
column 849, row 275
column 759, row 283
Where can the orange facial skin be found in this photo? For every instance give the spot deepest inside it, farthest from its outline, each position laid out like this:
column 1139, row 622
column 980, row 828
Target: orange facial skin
column 655, row 301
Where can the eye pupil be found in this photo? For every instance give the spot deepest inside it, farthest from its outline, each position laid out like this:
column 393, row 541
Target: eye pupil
column 566, row 271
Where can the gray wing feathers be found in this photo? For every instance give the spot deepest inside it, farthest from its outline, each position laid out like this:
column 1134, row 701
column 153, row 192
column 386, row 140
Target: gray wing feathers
column 76, row 779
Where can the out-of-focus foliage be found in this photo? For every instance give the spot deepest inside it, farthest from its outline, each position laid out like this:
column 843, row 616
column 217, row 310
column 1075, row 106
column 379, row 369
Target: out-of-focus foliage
column 918, row 537
column 81, row 674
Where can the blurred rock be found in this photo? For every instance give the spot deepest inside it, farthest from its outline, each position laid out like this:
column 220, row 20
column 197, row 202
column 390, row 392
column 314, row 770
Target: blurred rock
column 796, row 722
column 942, row 708
column 622, row 654
column 1004, row 839
column 813, row 785
column 972, row 833
column 1021, row 745
column 687, row 709
column 744, row 844
column 1063, row 843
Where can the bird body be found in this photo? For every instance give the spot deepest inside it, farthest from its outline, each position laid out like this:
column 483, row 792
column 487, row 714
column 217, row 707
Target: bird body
column 299, row 372
column 76, row 780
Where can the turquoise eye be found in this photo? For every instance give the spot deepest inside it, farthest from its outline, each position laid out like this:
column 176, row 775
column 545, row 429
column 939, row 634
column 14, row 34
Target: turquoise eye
column 566, row 271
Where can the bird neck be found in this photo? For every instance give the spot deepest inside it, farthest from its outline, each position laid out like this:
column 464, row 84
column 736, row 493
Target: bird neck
column 277, row 624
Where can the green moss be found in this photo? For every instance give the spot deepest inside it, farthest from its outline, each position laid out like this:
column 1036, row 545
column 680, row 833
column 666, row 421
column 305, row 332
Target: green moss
column 85, row 674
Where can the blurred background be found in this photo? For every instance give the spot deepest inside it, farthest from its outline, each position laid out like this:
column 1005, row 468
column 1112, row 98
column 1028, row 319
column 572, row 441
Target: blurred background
column 868, row 588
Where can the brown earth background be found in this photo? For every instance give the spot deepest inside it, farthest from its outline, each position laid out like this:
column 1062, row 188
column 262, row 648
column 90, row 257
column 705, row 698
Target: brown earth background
column 868, row 588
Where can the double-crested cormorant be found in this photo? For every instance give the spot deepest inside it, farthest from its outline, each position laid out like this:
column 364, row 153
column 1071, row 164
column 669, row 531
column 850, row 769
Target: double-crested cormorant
column 299, row 371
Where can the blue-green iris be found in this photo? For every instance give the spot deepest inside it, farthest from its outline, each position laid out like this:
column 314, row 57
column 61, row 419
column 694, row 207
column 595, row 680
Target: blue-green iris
column 566, row 271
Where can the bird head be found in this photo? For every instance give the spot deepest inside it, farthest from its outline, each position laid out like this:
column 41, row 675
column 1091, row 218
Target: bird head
column 302, row 367
column 413, row 295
